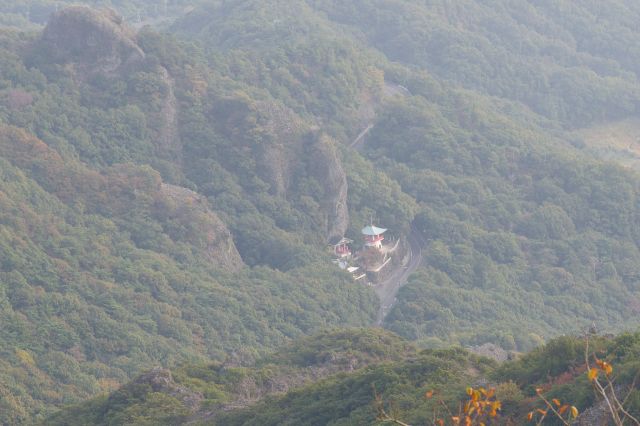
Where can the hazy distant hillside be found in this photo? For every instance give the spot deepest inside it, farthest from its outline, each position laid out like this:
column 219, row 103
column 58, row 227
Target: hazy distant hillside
column 169, row 196
column 35, row 13
column 575, row 62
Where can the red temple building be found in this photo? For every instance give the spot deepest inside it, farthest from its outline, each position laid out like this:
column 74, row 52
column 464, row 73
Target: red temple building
column 373, row 236
column 341, row 249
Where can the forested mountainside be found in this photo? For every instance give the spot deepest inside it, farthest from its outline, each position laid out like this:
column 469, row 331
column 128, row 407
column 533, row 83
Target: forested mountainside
column 167, row 195
column 348, row 369
column 113, row 258
column 516, row 214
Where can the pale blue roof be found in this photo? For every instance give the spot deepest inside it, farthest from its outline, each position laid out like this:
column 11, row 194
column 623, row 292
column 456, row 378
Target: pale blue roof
column 373, row 230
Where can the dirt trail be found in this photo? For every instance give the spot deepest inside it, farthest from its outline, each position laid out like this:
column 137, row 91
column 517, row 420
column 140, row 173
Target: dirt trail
column 357, row 142
column 388, row 289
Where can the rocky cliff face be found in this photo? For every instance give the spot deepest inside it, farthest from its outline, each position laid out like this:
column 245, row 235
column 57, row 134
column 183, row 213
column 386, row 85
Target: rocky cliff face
column 276, row 139
column 94, row 41
column 285, row 149
column 169, row 145
column 325, row 166
column 90, row 43
column 289, row 150
column 283, row 132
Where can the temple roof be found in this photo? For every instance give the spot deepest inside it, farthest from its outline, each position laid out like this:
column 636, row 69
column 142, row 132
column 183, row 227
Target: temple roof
column 373, row 230
column 336, row 241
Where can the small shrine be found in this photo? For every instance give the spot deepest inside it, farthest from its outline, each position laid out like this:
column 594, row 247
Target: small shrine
column 342, row 248
column 369, row 264
column 373, row 236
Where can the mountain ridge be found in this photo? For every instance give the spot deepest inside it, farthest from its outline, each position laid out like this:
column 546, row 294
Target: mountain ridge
column 347, row 396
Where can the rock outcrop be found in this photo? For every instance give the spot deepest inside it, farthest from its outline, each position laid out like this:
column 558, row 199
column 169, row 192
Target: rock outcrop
column 90, row 43
column 598, row 414
column 491, row 351
column 284, row 149
column 161, row 380
column 293, row 143
column 95, row 41
column 169, row 145
column 200, row 226
column 324, row 165
column 282, row 131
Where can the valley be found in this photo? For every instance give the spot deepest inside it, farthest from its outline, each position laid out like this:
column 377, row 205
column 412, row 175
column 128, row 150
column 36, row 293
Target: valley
column 171, row 194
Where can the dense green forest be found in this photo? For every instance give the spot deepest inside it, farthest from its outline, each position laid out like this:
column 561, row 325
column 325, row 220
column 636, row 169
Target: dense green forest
column 214, row 394
column 508, row 203
column 168, row 192
column 110, row 261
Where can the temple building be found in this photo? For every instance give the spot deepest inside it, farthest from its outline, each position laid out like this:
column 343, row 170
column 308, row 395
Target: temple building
column 341, row 249
column 369, row 264
column 373, row 236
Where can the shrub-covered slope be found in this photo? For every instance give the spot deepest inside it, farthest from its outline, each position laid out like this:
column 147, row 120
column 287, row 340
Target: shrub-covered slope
column 104, row 273
column 224, row 395
column 222, row 388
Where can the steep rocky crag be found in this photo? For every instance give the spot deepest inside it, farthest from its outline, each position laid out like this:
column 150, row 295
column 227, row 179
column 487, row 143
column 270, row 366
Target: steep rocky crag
column 93, row 41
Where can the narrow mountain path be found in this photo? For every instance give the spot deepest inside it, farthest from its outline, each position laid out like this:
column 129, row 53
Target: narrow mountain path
column 388, row 289
column 357, row 142
column 389, row 91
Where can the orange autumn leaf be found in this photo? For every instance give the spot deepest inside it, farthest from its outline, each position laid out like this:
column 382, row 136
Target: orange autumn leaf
column 428, row 394
column 593, row 374
column 563, row 409
column 530, row 416
column 556, row 401
column 574, row 411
